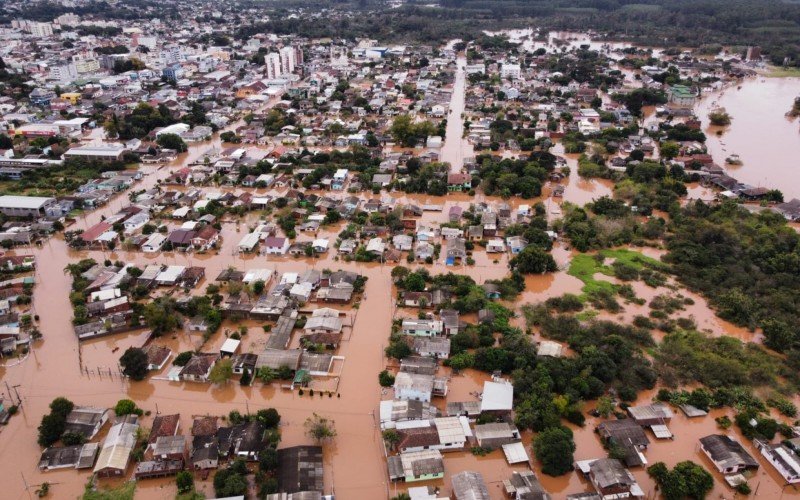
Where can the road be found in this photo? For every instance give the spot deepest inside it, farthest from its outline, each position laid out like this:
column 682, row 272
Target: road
column 454, row 144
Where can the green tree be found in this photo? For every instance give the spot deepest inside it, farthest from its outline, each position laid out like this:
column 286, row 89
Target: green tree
column 51, row 428
column 269, row 417
column 554, row 448
column 134, row 363
column 268, row 460
column 221, row 372
column 246, row 378
column 533, row 260
column 172, row 141
column 182, row 358
column 605, row 406
column 414, row 283
column 669, row 150
column 185, row 481
column 319, row 428
column 61, row 406
column 386, row 379
column 160, row 316
column 231, row 481
column 125, row 407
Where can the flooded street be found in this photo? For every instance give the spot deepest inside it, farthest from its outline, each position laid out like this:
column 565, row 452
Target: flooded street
column 455, row 147
column 767, row 141
column 355, row 465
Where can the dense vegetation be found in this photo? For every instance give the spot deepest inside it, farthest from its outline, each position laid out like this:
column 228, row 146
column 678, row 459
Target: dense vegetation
column 747, row 264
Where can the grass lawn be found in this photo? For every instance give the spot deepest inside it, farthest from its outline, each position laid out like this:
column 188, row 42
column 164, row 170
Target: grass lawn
column 586, row 266
column 122, row 492
column 781, row 72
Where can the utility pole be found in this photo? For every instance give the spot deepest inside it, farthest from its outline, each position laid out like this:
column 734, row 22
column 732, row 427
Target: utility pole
column 8, row 388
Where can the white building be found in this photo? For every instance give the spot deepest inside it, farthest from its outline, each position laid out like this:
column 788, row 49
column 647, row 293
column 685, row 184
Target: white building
column 64, row 72
column 41, row 29
column 288, row 59
column 785, row 461
column 510, row 71
column 273, row 63
column 154, row 243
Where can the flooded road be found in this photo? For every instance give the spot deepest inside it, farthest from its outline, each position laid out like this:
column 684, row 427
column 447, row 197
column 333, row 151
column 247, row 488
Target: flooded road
column 455, row 146
column 355, row 467
column 767, row 141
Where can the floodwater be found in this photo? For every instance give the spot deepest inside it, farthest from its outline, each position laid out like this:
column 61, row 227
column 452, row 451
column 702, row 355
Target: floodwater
column 354, row 463
column 455, row 147
column 767, row 141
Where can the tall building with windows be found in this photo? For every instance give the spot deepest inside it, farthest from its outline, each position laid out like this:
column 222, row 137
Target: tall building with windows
column 273, row 63
column 288, row 59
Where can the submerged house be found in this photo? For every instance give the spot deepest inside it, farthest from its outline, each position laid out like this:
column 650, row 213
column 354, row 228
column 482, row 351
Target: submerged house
column 117, row 447
column 300, row 469
column 416, row 466
column 628, row 436
column 727, row 455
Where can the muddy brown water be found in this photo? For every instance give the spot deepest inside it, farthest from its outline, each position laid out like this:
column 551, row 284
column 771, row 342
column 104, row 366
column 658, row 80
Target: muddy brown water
column 767, row 141
column 354, row 461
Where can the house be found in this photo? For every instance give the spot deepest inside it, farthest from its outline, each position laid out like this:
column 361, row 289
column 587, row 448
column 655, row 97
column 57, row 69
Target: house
column 459, row 182
column 628, row 436
column 612, row 480
column 300, row 469
column 181, row 238
column 497, row 396
column 199, row 367
column 394, row 412
column 416, row 466
column 347, row 246
column 419, row 364
column 86, row 421
column 783, row 459
column 277, row 358
column 455, row 250
column 421, row 327
column 320, row 245
column 495, row 435
column 403, row 242
column 205, row 452
column 63, row 457
column 205, row 239
column 434, row 347
column 515, row 244
column 450, row 321
column 170, row 448
column 247, row 440
column 454, row 214
column 158, row 468
column 423, row 250
column 523, row 485
column 157, row 356
column 376, row 246
column 417, row 299
column 249, row 242
column 468, row 485
column 117, row 447
column 727, row 454
column 170, row 276
column 649, row 415
column 323, row 324
column 413, row 386
column 229, row 347
column 276, row 246
column 495, row 245
column 449, row 233
column 164, row 425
